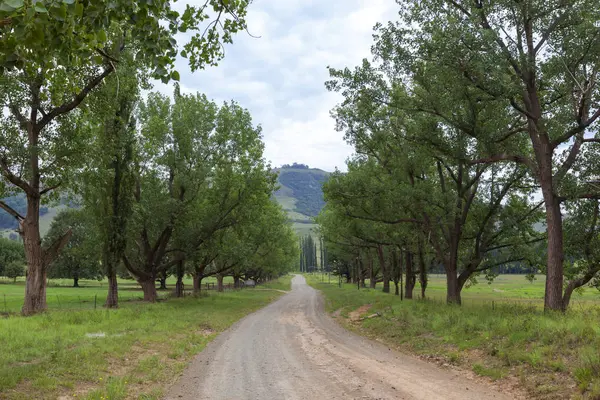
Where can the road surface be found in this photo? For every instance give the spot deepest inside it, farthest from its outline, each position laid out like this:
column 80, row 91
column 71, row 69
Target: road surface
column 292, row 350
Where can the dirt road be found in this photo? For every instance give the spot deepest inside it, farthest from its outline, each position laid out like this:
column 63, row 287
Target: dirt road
column 292, row 350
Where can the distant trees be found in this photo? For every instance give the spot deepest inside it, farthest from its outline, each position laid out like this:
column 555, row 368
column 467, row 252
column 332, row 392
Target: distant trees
column 79, row 259
column 12, row 257
column 308, row 254
column 295, row 166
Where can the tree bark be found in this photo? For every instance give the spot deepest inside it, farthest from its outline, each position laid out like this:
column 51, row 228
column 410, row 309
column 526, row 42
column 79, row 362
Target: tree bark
column 149, row 289
column 219, row 283
column 453, row 289
column 163, row 282
column 372, row 277
column 236, row 281
column 554, row 271
column 179, row 287
column 410, row 276
column 197, row 279
column 35, row 286
column 384, row 269
column 112, row 300
column 422, row 270
column 75, row 281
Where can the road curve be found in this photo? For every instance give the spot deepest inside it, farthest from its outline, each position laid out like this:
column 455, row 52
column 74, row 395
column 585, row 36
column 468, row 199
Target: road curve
column 292, row 350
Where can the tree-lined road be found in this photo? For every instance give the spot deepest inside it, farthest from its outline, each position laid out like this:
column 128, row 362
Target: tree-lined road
column 292, row 350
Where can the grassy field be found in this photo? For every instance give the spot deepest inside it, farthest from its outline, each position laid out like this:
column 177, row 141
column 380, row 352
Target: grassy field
column 130, row 353
column 91, row 293
column 500, row 332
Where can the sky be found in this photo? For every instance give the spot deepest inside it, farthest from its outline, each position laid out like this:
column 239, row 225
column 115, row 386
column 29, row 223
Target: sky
column 279, row 77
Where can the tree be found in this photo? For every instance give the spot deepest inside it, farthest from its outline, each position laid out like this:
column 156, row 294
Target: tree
column 106, row 182
column 80, row 258
column 14, row 269
column 10, row 252
column 416, row 167
column 536, row 62
column 53, row 55
column 201, row 165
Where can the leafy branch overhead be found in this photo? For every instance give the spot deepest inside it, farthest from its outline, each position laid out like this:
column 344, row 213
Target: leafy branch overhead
column 81, row 33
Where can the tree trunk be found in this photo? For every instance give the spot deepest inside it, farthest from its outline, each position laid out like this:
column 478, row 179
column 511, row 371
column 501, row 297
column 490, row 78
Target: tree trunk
column 75, row 281
column 149, row 289
column 410, row 276
column 219, row 283
column 422, row 270
column 453, row 288
column 384, row 269
column 372, row 277
column 179, row 287
column 554, row 271
column 112, row 300
column 163, row 282
column 197, row 279
column 236, row 281
column 35, row 287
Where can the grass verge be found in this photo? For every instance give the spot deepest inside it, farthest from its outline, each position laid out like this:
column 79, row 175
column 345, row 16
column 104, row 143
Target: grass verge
column 552, row 356
column 130, row 353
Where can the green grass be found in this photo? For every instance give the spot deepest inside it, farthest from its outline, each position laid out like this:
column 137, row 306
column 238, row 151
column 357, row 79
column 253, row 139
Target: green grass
column 115, row 354
column 61, row 296
column 495, row 334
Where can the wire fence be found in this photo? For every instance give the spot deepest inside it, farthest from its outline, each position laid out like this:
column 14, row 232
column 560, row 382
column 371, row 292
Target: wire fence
column 91, row 298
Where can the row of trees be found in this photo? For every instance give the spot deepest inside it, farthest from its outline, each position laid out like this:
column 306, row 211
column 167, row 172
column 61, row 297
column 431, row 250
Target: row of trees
column 166, row 183
column 309, row 260
column 474, row 123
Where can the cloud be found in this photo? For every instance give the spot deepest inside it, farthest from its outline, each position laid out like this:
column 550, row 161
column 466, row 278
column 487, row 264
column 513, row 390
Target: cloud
column 280, row 76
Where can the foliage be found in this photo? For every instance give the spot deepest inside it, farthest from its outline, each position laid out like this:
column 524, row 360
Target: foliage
column 14, row 269
column 82, row 34
column 455, row 110
column 11, row 252
column 79, row 259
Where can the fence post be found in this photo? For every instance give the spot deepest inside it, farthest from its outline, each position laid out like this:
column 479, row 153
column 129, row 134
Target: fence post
column 5, row 308
column 95, row 300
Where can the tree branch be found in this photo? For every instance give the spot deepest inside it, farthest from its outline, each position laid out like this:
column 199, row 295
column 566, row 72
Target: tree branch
column 66, row 107
column 11, row 211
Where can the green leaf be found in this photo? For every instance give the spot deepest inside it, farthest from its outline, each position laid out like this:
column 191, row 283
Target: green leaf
column 39, row 7
column 101, row 36
column 14, row 3
column 175, row 76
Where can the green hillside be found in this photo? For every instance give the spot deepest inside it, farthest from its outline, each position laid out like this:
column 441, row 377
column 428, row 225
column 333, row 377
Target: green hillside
column 300, row 194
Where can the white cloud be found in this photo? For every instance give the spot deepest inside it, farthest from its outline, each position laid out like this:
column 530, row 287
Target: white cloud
column 280, row 76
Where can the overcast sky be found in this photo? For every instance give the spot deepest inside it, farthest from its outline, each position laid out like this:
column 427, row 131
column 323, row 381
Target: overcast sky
column 280, row 76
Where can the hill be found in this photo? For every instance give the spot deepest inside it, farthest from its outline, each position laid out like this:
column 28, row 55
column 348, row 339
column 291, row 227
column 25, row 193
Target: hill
column 300, row 194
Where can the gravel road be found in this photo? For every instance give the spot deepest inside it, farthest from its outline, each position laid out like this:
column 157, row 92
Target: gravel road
column 292, row 350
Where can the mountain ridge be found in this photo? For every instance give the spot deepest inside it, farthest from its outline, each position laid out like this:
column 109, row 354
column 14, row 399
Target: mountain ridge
column 300, row 194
